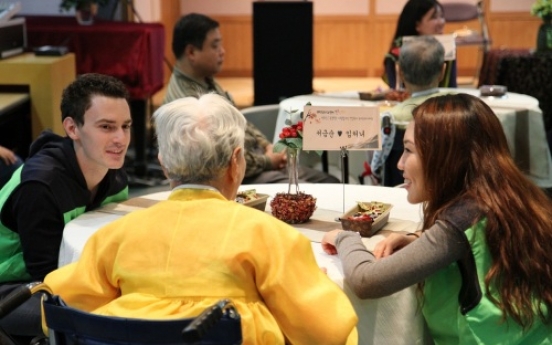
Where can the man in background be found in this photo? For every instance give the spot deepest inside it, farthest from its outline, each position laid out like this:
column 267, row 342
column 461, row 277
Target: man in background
column 421, row 67
column 197, row 46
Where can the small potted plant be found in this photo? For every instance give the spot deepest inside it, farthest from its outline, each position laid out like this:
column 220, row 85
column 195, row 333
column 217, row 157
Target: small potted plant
column 294, row 206
column 84, row 9
column 543, row 10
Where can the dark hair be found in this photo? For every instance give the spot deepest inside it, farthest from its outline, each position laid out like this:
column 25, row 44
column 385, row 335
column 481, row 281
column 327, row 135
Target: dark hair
column 412, row 12
column 191, row 29
column 77, row 97
column 461, row 135
column 421, row 61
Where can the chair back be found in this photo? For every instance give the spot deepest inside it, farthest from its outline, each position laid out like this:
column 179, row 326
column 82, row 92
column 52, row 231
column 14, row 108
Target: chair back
column 458, row 11
column 466, row 11
column 264, row 118
column 69, row 326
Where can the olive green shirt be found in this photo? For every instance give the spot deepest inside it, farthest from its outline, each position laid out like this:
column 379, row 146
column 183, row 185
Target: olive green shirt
column 182, row 85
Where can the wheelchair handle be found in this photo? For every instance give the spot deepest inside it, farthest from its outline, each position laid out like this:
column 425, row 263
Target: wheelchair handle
column 200, row 326
column 20, row 295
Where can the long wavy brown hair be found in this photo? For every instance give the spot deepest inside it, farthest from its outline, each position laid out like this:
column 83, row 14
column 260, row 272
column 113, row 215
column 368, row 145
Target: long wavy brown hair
column 465, row 156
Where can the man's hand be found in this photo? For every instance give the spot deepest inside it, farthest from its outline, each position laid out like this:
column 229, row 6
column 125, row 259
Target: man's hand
column 391, row 244
column 7, row 156
column 278, row 159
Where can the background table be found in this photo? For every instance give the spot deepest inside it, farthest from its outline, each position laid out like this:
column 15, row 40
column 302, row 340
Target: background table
column 131, row 52
column 15, row 122
column 523, row 71
column 492, row 61
column 395, row 319
column 44, row 78
column 519, row 115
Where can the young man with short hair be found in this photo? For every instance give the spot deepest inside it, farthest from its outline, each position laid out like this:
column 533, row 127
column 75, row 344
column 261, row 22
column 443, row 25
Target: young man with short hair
column 62, row 178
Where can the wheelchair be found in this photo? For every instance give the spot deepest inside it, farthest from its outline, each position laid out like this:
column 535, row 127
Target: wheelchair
column 219, row 324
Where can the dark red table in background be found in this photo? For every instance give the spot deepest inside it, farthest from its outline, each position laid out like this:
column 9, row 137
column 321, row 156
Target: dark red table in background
column 131, row 52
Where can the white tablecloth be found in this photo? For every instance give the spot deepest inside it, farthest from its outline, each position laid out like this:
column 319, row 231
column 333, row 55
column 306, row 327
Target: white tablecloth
column 519, row 115
column 395, row 319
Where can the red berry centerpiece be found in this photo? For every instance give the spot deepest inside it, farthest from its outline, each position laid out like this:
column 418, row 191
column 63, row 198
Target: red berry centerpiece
column 294, row 206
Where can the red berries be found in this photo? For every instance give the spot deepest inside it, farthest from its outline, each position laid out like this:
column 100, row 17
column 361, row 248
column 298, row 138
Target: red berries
column 294, row 131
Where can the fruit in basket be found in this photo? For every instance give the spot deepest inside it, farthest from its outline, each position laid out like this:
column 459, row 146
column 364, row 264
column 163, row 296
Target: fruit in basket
column 366, row 218
column 361, row 217
column 252, row 199
column 247, row 195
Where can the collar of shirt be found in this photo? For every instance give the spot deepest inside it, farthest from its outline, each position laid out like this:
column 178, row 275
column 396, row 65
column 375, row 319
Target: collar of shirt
column 195, row 186
column 181, row 74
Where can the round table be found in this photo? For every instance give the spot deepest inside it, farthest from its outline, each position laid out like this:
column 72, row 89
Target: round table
column 519, row 115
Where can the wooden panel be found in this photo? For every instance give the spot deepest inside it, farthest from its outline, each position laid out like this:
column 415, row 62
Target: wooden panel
column 380, row 37
column 514, row 30
column 237, row 39
column 339, row 46
column 170, row 14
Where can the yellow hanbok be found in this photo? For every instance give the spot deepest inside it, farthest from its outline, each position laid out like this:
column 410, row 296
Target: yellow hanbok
column 180, row 256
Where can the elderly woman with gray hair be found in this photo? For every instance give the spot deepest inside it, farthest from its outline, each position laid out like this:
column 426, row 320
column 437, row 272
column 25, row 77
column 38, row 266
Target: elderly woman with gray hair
column 181, row 255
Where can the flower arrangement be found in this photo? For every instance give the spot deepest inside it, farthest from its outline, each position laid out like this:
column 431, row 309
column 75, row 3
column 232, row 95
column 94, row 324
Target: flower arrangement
column 291, row 136
column 542, row 9
column 67, row 5
column 292, row 207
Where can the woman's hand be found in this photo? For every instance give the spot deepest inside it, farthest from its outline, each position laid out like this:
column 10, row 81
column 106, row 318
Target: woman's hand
column 7, row 156
column 391, row 244
column 328, row 242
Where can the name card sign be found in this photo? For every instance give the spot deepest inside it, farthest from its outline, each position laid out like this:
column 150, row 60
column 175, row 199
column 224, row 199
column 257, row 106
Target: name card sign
column 448, row 41
column 333, row 128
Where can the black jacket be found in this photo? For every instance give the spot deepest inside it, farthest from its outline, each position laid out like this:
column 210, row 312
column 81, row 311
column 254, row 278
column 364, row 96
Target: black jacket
column 49, row 191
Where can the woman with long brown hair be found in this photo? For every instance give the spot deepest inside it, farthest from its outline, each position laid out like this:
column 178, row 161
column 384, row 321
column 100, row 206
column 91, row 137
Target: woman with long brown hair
column 483, row 259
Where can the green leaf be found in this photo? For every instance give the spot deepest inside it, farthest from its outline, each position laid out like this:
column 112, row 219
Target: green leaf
column 295, row 143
